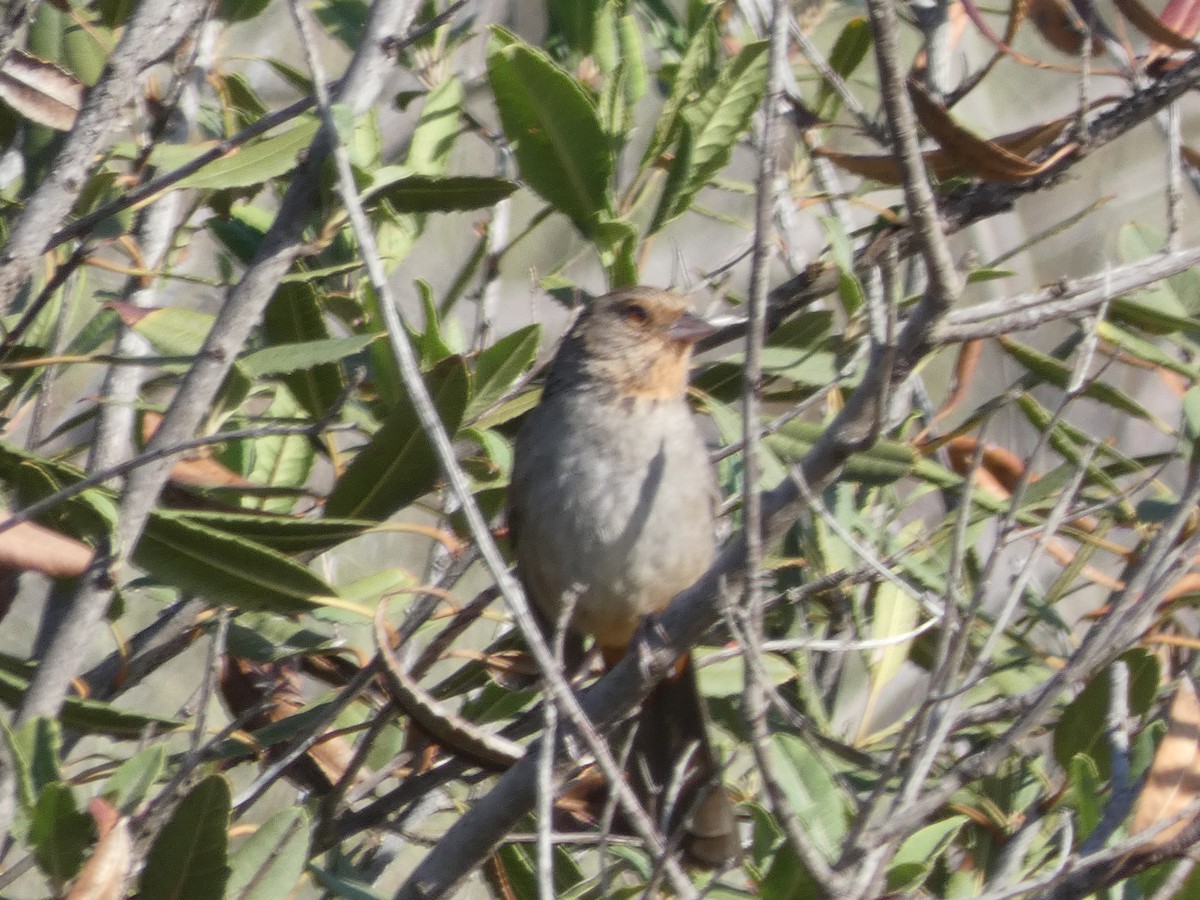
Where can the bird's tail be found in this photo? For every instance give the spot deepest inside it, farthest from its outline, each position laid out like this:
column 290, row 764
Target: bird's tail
column 675, row 774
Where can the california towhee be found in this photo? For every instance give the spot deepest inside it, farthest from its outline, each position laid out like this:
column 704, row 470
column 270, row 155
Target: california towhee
column 611, row 508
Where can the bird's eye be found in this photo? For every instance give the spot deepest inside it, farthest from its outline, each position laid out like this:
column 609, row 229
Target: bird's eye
column 636, row 314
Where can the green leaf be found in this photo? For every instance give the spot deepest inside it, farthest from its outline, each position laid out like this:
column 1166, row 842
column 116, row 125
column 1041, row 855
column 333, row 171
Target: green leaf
column 285, row 534
column 1144, row 349
column 499, row 366
column 226, row 569
column 433, row 344
column 187, row 860
column 920, row 852
column 633, row 54
column 574, row 21
column 242, row 231
column 617, row 240
column 812, row 793
column 399, row 465
column 721, row 117
column 895, row 614
column 437, row 128
column 848, row 52
column 59, row 832
column 1157, row 314
column 1087, row 793
column 271, row 862
column 604, row 40
column 131, row 783
column 87, row 716
column 1083, row 725
column 266, row 637
column 694, row 75
column 173, row 331
column 40, row 746
column 341, row 886
column 282, row 460
column 552, row 125
column 184, row 553
column 294, row 316
column 1191, row 413
column 884, row 463
column 26, row 796
column 282, row 359
column 1055, row 372
column 727, row 677
column 252, row 165
column 240, row 10
column 450, row 193
column 680, row 174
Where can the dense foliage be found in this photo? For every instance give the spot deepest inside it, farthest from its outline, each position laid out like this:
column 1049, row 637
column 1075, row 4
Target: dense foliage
column 253, row 642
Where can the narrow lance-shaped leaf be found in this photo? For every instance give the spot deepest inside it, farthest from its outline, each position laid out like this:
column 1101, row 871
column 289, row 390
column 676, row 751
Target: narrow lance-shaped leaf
column 427, row 193
column 718, row 121
column 270, row 863
column 399, row 463
column 552, row 124
column 693, row 76
column 294, row 316
column 499, row 366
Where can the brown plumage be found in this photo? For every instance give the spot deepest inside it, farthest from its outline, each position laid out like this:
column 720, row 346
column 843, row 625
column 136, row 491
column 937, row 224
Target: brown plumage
column 612, row 505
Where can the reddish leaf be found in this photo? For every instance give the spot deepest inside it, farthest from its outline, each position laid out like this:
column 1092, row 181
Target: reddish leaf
column 1153, row 27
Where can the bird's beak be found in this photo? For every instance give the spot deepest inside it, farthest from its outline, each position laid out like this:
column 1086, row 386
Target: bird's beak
column 689, row 328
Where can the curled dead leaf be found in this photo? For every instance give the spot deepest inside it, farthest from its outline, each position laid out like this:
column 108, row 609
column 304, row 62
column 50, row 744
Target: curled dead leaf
column 945, row 163
column 40, row 90
column 965, row 365
column 1002, row 467
column 978, row 156
column 271, row 692
column 1183, row 18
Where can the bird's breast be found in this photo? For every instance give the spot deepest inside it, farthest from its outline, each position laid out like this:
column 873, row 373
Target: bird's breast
column 616, row 505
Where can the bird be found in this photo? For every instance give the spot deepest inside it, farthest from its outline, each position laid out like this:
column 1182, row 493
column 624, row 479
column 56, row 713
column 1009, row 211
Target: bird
column 611, row 512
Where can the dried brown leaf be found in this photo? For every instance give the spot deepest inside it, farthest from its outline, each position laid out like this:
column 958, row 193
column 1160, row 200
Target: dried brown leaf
column 943, row 164
column 129, row 314
column 980, row 157
column 1173, row 781
column 40, row 90
column 28, row 547
column 199, row 469
column 107, row 870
